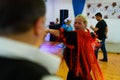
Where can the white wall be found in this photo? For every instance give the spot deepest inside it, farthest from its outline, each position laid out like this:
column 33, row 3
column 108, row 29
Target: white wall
column 54, row 6
column 113, row 24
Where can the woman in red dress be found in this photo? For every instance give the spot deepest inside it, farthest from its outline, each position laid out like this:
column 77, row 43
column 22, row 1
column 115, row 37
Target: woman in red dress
column 79, row 52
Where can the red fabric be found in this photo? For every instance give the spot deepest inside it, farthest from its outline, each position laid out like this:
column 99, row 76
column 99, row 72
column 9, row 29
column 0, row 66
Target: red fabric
column 87, row 52
column 85, row 61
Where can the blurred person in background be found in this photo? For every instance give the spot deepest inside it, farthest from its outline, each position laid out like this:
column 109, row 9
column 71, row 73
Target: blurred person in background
column 67, row 26
column 101, row 31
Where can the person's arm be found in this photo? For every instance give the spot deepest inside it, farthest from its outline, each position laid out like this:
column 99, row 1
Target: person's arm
column 94, row 28
column 106, row 31
column 54, row 32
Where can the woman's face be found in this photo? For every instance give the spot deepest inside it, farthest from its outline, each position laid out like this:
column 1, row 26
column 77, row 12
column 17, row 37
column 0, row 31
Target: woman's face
column 79, row 24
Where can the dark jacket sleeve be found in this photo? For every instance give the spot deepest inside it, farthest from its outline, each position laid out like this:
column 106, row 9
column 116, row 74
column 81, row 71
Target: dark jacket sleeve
column 70, row 37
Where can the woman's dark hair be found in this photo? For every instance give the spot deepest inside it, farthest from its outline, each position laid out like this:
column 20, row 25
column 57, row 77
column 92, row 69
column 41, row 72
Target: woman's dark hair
column 17, row 16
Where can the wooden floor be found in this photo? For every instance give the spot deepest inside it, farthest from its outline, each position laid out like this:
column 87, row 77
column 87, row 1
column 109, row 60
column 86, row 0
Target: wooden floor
column 110, row 69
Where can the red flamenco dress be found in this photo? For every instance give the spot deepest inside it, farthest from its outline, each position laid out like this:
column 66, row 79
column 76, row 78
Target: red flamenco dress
column 79, row 56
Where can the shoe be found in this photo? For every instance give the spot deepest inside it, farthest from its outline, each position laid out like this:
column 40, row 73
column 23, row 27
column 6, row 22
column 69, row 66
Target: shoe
column 104, row 60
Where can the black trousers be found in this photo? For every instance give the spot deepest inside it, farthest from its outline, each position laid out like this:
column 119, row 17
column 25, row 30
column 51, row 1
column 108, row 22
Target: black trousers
column 71, row 76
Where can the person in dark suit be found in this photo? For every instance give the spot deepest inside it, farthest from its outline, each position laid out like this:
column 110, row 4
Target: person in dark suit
column 21, row 34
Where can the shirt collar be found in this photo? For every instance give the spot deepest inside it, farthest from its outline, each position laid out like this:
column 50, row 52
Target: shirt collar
column 18, row 50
